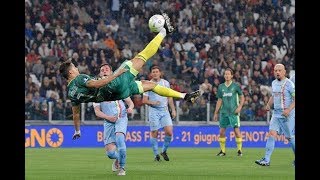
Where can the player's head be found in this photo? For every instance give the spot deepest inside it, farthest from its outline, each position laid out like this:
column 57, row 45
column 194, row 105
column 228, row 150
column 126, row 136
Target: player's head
column 155, row 72
column 228, row 74
column 279, row 72
column 105, row 70
column 67, row 69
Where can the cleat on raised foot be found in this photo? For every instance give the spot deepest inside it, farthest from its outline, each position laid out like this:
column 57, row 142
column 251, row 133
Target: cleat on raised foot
column 165, row 155
column 239, row 153
column 191, row 97
column 115, row 165
column 221, row 154
column 167, row 25
column 262, row 162
column 157, row 158
column 122, row 172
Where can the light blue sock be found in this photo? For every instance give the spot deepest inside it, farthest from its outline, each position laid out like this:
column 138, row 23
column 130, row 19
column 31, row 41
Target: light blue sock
column 154, row 145
column 269, row 148
column 121, row 145
column 292, row 142
column 167, row 141
column 113, row 154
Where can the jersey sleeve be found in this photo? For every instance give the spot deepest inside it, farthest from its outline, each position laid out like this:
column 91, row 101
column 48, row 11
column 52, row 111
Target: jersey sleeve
column 291, row 88
column 239, row 90
column 82, row 79
column 166, row 84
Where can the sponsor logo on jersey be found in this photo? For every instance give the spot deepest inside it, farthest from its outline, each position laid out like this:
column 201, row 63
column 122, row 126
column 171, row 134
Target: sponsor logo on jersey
column 227, row 94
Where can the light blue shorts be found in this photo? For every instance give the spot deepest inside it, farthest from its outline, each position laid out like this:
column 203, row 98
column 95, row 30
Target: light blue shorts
column 284, row 125
column 159, row 118
column 110, row 129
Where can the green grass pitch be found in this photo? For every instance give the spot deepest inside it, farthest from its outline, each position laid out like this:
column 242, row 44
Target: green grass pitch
column 184, row 164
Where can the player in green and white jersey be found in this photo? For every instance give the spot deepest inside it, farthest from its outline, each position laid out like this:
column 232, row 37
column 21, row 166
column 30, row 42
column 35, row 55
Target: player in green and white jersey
column 229, row 104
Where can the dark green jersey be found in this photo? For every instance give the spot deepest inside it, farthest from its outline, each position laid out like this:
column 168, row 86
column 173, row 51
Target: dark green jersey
column 119, row 88
column 230, row 97
column 78, row 92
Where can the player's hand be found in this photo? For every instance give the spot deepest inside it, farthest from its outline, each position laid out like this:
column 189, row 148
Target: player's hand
column 267, row 107
column 173, row 114
column 76, row 135
column 237, row 111
column 286, row 112
column 129, row 110
column 112, row 118
column 215, row 117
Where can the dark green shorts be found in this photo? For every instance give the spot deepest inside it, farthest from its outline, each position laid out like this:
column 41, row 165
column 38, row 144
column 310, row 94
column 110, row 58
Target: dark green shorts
column 226, row 120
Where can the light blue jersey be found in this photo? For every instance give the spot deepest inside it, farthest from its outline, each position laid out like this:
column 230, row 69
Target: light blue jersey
column 283, row 92
column 155, row 97
column 113, row 108
column 159, row 115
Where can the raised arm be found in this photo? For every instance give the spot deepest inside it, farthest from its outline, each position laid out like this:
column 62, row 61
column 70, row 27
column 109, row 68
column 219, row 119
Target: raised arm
column 101, row 82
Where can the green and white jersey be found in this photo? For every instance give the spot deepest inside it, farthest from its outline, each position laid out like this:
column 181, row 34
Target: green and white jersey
column 230, row 97
column 78, row 92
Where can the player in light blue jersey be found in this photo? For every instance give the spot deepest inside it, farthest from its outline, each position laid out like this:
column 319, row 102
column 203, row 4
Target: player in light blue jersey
column 159, row 116
column 115, row 124
column 282, row 120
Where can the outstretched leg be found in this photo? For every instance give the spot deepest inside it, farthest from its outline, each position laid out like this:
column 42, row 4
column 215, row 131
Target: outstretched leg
column 151, row 49
column 167, row 92
column 153, row 46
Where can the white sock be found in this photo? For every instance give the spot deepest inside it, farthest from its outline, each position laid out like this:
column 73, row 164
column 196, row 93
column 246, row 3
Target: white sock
column 163, row 32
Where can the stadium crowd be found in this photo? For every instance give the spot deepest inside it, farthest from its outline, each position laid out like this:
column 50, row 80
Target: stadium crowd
column 249, row 36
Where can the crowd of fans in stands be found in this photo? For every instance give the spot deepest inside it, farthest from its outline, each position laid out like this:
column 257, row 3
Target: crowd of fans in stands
column 249, row 36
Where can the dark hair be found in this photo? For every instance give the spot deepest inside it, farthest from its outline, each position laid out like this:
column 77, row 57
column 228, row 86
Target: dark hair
column 154, row 67
column 105, row 64
column 229, row 69
column 64, row 68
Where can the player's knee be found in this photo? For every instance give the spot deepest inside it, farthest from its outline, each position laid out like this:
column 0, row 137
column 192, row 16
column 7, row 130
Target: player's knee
column 148, row 85
column 120, row 141
column 154, row 134
column 111, row 154
column 273, row 133
column 168, row 130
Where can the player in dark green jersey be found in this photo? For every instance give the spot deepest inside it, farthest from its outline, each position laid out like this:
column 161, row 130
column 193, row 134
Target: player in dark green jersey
column 229, row 104
column 120, row 85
